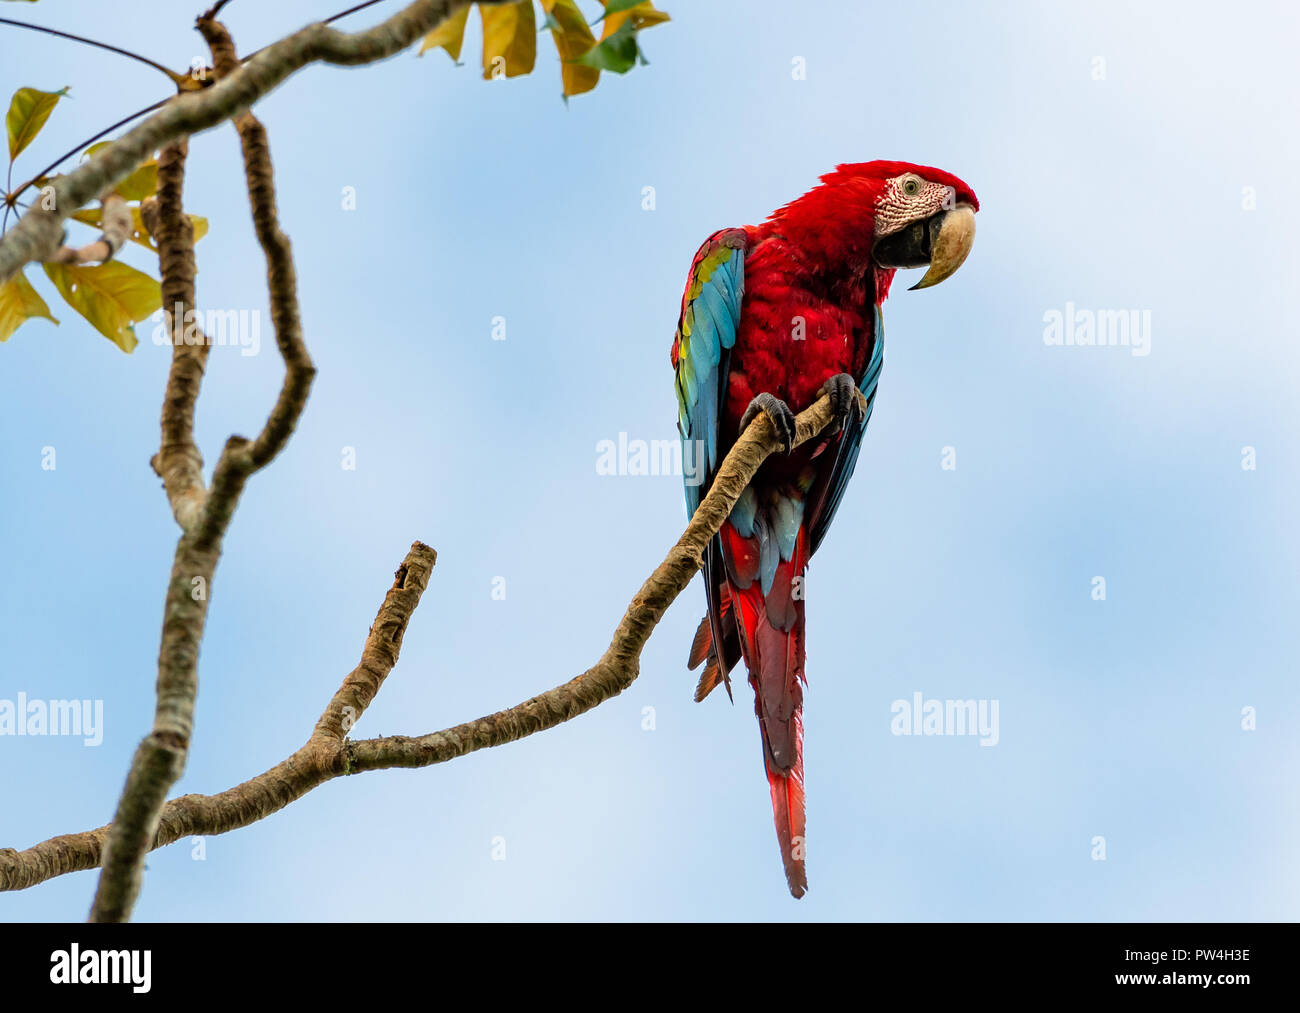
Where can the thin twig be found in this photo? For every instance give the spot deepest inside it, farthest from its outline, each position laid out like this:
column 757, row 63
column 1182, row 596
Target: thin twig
column 178, row 461
column 351, row 10
column 147, row 109
column 242, row 457
column 94, row 42
column 211, row 13
column 327, row 21
column 86, row 144
column 38, row 232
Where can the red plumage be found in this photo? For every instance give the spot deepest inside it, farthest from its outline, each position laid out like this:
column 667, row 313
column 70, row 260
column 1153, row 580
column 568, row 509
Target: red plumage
column 809, row 312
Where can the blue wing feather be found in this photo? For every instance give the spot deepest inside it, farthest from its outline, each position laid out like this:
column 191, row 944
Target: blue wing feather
column 714, row 317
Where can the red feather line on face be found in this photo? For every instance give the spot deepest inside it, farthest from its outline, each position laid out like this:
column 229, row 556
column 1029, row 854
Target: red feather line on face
column 856, row 171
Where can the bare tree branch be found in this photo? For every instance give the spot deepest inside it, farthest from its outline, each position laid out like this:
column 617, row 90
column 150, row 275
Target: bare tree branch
column 38, row 234
column 619, row 666
column 327, row 755
column 255, row 799
column 160, row 758
column 178, row 461
column 282, row 279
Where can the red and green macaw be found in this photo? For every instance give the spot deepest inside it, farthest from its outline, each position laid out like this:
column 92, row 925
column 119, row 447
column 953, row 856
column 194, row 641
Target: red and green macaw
column 775, row 315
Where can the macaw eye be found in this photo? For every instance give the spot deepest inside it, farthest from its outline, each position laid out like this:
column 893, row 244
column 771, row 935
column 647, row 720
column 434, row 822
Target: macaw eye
column 911, row 187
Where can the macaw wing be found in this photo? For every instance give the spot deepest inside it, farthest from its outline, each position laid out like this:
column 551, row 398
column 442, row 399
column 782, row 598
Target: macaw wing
column 825, row 497
column 706, row 333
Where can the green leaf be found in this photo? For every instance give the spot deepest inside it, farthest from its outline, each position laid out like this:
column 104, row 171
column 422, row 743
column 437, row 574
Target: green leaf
column 28, row 111
column 617, row 7
column 510, row 43
column 111, row 296
column 617, row 53
column 19, row 302
column 618, row 49
column 641, row 14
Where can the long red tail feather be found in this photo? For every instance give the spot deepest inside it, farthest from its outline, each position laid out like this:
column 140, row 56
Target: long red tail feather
column 791, row 820
column 773, row 644
column 771, row 640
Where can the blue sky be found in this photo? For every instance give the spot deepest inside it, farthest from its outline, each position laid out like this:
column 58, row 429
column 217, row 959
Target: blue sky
column 1119, row 719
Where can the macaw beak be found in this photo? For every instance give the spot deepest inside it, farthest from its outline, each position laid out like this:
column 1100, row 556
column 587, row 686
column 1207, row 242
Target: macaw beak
column 940, row 242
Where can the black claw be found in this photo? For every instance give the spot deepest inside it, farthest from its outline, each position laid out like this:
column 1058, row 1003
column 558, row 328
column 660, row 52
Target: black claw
column 845, row 402
column 780, row 414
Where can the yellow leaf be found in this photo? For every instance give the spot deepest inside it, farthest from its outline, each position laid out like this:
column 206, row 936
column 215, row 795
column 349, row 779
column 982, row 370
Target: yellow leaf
column 643, row 15
column 139, row 234
column 28, row 111
column 19, row 302
column 111, row 296
column 509, row 39
column 449, row 35
column 140, row 184
column 572, row 38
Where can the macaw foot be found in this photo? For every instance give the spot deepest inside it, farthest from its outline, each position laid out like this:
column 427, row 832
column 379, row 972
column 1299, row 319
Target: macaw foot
column 776, row 410
column 846, row 402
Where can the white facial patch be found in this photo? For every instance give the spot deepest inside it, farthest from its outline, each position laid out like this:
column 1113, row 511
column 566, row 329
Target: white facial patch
column 909, row 198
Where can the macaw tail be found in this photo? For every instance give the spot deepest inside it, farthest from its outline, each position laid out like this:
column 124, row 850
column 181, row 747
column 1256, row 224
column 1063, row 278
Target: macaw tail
column 716, row 670
column 788, row 812
column 767, row 629
column 776, row 666
column 772, row 625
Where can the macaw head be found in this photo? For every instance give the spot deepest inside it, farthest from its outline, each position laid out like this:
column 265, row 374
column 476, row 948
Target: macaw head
column 888, row 214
